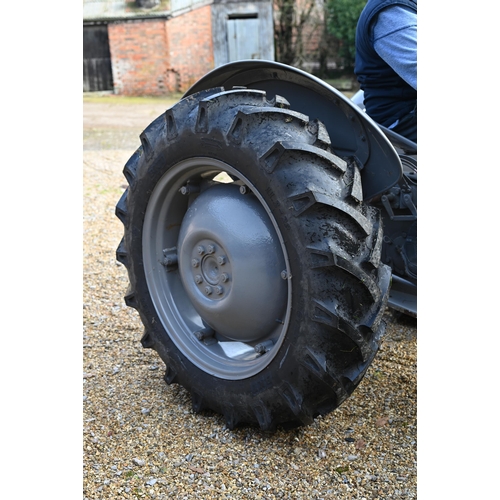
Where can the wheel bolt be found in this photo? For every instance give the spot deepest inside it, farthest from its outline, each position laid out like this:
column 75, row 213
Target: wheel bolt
column 204, row 333
column 210, row 249
column 170, row 261
column 208, row 290
column 219, row 290
column 189, row 189
column 201, row 250
column 195, row 262
column 224, row 277
column 264, row 347
column 199, row 279
column 221, row 260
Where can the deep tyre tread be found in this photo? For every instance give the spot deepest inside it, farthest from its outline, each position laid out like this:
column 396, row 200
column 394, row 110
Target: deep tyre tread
column 339, row 286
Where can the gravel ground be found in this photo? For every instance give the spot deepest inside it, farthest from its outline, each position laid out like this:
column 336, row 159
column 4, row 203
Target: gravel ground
column 141, row 438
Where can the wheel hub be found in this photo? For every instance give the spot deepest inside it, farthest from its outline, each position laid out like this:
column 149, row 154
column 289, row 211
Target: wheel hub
column 230, row 262
column 211, row 269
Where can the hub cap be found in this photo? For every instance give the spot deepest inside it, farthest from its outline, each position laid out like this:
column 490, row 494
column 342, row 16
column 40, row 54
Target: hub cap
column 230, row 263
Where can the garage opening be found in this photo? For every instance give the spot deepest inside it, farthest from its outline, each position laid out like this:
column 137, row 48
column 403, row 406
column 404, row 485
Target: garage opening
column 97, row 74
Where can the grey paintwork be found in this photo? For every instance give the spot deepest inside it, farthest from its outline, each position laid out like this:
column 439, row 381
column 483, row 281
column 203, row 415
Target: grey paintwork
column 232, row 277
column 258, row 289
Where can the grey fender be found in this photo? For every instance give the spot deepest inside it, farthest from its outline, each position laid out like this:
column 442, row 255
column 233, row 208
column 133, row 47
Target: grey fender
column 352, row 132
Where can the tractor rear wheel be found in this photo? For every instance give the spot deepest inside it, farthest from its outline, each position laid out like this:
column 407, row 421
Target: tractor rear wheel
column 253, row 262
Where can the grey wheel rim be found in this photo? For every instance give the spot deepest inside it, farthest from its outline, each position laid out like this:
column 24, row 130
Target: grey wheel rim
column 217, row 269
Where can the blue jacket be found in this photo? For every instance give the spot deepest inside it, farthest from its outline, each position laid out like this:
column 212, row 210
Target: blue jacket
column 387, row 97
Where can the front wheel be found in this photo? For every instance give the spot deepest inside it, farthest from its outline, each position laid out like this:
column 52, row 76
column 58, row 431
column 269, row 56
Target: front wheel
column 253, row 261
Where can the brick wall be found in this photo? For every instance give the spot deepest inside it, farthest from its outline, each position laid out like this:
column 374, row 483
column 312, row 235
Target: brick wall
column 190, row 45
column 139, row 57
column 155, row 57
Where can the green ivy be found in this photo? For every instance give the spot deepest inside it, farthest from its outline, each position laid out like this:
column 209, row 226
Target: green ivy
column 342, row 19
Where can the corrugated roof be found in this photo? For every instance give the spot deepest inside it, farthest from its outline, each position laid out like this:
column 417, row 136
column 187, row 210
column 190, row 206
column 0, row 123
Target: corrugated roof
column 94, row 10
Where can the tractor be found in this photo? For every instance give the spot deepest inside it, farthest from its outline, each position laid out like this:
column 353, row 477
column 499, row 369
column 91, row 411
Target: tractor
column 268, row 224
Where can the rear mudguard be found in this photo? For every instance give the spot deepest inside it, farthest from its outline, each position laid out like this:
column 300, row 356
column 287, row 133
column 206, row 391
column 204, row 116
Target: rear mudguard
column 352, row 132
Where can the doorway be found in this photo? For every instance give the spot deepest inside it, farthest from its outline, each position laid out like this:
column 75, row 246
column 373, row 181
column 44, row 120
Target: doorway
column 97, row 74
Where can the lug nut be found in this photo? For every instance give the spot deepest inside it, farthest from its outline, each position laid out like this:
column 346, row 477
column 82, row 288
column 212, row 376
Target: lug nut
column 221, row 260
column 195, row 262
column 264, row 347
column 219, row 290
column 170, row 261
column 199, row 279
column 210, row 249
column 201, row 250
column 189, row 189
column 224, row 277
column 208, row 290
column 204, row 333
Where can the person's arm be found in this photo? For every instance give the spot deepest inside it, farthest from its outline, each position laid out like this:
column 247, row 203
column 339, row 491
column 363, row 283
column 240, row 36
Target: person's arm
column 395, row 40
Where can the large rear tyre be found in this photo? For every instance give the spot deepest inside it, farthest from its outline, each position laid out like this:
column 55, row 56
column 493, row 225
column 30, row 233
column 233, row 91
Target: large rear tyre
column 253, row 262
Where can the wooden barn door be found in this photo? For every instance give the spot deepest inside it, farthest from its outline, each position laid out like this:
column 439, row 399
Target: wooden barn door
column 243, row 37
column 97, row 74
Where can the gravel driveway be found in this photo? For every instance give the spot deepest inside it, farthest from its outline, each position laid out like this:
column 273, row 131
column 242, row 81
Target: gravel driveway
column 141, row 438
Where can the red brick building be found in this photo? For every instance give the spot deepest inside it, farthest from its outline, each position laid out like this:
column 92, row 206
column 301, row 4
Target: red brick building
column 153, row 47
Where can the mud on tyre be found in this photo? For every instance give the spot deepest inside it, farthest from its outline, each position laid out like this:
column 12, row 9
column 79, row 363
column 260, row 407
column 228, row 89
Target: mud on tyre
column 253, row 262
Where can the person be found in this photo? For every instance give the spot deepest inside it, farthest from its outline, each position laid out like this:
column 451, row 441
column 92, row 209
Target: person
column 386, row 63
